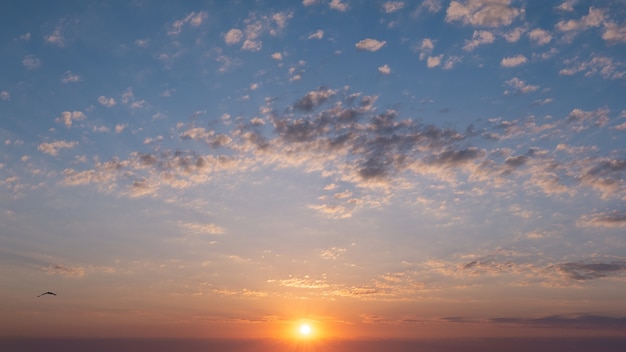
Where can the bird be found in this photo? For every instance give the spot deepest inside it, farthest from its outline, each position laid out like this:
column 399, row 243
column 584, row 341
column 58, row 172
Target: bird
column 47, row 293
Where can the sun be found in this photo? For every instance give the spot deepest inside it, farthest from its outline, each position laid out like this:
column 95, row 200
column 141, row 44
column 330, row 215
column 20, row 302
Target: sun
column 305, row 330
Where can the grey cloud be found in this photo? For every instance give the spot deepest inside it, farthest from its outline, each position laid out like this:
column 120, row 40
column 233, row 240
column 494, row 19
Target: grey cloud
column 313, row 99
column 560, row 321
column 580, row 271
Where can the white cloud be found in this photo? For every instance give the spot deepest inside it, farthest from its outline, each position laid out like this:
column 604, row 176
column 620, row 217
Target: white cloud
column 519, row 86
column 233, row 36
column 425, row 48
column 513, row 61
column 252, row 45
column 384, row 69
column 67, row 117
column 319, row 34
column 479, row 37
column 194, row 19
column 56, row 37
column 277, row 56
column 120, row 127
column 209, row 229
column 108, row 102
column 434, row 61
column 451, row 62
column 431, row 6
column 4, row 95
column 142, row 43
column 140, row 104
column 614, row 33
column 370, row 44
column 594, row 19
column 54, row 147
column 338, row 5
column 483, row 13
column 567, row 5
column 31, row 62
column 539, row 36
column 602, row 65
column 514, row 35
column 393, row 6
column 25, row 37
column 70, row 77
column 309, row 2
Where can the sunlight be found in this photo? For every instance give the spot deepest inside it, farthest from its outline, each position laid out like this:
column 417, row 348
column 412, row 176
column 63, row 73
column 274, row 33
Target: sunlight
column 305, row 329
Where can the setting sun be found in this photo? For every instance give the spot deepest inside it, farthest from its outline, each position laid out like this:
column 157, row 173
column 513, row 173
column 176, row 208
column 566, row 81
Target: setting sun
column 305, row 329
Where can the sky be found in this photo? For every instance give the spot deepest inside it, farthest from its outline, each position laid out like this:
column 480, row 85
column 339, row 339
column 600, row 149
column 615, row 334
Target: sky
column 380, row 169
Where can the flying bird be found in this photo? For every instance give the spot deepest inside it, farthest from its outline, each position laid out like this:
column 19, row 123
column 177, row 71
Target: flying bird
column 47, row 293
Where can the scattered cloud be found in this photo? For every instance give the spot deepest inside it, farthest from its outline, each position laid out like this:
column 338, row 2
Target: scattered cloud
column 513, row 61
column 483, row 13
column 108, row 102
column 434, row 61
column 67, row 117
column 4, row 95
column 370, row 44
column 31, row 62
column 338, row 5
column 606, row 219
column 596, row 64
column 384, row 69
column 614, row 33
column 539, row 36
column 54, row 147
column 319, row 34
column 479, row 37
column 193, row 19
column 519, row 86
column 595, row 18
column 233, row 36
column 70, row 77
column 393, row 6
column 199, row 228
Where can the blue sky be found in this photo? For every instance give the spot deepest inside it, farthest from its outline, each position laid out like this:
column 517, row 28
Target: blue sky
column 361, row 165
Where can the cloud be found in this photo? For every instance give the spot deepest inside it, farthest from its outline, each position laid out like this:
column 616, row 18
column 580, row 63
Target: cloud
column 31, row 62
column 595, row 18
column 198, row 228
column 70, row 77
column 193, row 19
column 54, row 147
column 434, row 61
column 56, row 37
column 108, row 102
column 479, row 38
column 431, row 6
column 568, row 322
column 567, row 5
column 338, row 5
column 277, row 56
column 614, row 219
column 425, row 47
column 602, row 65
column 515, row 35
column 483, row 13
column 319, row 34
column 67, row 117
column 393, row 6
column 370, row 45
column 68, row 271
column 519, row 86
column 539, row 36
column 384, row 69
column 252, row 45
column 614, row 33
column 513, row 61
column 233, row 36
column 590, row 271
column 4, row 95
column 314, row 99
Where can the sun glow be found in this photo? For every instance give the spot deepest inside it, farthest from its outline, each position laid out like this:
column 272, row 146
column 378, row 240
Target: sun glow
column 305, row 330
